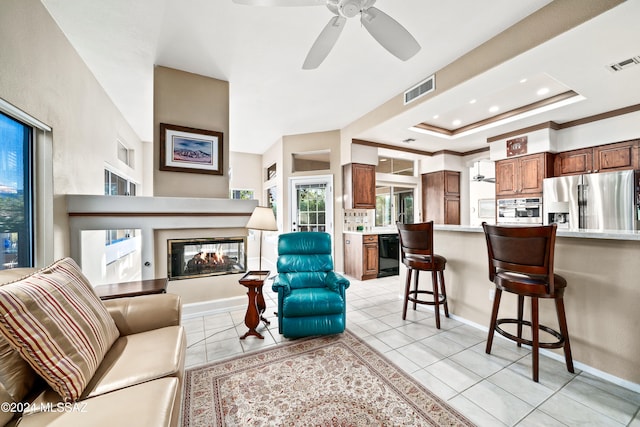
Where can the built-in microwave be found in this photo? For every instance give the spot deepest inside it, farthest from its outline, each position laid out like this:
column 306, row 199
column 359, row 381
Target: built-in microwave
column 519, row 211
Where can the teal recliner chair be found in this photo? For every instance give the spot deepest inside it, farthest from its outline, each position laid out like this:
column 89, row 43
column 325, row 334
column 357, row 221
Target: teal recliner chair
column 311, row 296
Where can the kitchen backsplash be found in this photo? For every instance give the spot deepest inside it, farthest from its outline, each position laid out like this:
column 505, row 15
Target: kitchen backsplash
column 359, row 219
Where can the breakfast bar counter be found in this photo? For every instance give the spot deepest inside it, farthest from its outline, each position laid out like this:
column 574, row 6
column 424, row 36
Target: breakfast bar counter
column 584, row 234
column 602, row 295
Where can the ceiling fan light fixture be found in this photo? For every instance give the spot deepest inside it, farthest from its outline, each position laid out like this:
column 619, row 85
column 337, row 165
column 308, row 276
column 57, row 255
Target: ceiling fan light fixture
column 350, row 8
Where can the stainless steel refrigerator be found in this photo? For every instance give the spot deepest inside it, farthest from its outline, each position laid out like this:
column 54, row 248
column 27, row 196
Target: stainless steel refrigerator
column 597, row 201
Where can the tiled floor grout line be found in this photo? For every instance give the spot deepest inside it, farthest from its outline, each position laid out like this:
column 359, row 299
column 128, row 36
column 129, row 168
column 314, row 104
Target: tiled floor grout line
column 373, row 308
column 485, row 378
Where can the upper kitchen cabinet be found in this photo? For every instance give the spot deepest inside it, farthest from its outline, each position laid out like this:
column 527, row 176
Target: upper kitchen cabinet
column 618, row 156
column 603, row 158
column 441, row 197
column 359, row 186
column 521, row 176
column 574, row 162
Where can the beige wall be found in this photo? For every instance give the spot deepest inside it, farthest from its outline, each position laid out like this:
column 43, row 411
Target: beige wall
column 246, row 173
column 191, row 100
column 315, row 142
column 280, row 153
column 601, row 297
column 45, row 77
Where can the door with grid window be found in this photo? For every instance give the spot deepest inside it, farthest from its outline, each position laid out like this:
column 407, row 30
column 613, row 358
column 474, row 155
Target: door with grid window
column 312, row 204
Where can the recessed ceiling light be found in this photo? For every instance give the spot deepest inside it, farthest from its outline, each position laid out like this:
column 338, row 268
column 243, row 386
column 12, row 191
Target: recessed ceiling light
column 457, row 122
column 543, row 91
column 493, row 109
column 473, row 101
column 523, row 80
column 383, row 160
column 436, row 116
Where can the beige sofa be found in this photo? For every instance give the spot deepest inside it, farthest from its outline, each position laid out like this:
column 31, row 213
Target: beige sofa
column 138, row 381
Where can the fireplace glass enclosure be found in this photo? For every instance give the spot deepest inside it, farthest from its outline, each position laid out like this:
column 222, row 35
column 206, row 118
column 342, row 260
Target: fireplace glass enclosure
column 189, row 258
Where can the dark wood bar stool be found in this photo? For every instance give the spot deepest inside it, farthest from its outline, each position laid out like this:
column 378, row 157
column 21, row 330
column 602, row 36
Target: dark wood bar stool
column 521, row 262
column 416, row 246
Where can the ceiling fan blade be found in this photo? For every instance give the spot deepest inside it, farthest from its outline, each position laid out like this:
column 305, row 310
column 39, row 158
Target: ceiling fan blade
column 324, row 43
column 389, row 33
column 281, row 2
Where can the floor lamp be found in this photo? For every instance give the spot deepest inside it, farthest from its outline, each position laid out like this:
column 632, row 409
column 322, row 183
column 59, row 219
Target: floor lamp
column 262, row 219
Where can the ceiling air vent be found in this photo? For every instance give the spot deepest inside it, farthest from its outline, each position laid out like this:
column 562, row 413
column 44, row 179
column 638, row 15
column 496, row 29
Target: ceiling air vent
column 422, row 88
column 619, row 66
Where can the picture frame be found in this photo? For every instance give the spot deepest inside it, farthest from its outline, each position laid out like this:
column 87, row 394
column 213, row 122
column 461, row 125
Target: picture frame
column 185, row 149
column 517, row 146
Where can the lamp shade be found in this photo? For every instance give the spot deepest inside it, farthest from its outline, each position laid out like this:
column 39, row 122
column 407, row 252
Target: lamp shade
column 262, row 218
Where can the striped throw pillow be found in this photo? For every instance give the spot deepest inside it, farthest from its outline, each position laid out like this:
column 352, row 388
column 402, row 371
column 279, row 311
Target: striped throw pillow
column 54, row 319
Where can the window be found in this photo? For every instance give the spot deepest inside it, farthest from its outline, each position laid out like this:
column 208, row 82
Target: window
column 395, row 166
column 241, row 194
column 311, row 161
column 394, row 204
column 271, row 172
column 115, row 185
column 311, row 209
column 16, row 215
column 272, row 200
column 125, row 155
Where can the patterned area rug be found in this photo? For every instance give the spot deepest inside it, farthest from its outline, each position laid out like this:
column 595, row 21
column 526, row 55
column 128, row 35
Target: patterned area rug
column 325, row 381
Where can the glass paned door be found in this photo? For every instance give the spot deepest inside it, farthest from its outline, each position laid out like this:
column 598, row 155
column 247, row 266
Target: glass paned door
column 312, row 206
column 403, row 200
column 384, row 210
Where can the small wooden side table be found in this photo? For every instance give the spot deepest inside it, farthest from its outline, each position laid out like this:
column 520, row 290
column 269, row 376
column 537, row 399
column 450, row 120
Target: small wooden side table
column 131, row 289
column 253, row 281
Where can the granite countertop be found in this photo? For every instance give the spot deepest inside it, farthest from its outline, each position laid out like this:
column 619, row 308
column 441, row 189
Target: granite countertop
column 375, row 230
column 584, row 234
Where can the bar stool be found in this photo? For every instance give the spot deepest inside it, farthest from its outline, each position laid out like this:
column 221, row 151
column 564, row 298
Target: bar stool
column 416, row 246
column 521, row 262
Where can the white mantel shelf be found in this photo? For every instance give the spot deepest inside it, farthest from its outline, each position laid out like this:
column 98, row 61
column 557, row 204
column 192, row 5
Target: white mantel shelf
column 97, row 212
column 92, row 205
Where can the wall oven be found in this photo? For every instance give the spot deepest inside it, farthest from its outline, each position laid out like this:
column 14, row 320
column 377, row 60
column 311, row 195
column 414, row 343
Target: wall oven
column 519, row 211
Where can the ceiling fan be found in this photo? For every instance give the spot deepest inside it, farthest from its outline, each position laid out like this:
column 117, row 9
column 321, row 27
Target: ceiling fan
column 387, row 31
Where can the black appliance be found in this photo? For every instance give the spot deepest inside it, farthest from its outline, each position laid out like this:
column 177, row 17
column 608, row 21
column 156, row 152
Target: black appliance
column 388, row 255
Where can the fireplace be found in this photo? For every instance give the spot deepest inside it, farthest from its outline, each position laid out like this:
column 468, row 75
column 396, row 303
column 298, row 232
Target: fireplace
column 189, row 258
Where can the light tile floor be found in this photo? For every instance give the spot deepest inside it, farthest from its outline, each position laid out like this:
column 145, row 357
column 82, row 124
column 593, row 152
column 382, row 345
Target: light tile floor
column 491, row 390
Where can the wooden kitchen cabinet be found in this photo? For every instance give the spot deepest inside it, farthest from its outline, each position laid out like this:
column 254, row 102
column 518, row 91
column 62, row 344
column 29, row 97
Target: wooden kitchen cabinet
column 522, row 176
column 603, row 158
column 361, row 255
column 618, row 156
column 574, row 162
column 441, row 197
column 359, row 186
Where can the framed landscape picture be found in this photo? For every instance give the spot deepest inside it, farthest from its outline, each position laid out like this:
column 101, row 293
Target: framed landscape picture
column 184, row 149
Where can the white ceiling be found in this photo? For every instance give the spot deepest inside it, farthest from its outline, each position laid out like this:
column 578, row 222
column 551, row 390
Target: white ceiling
column 260, row 51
